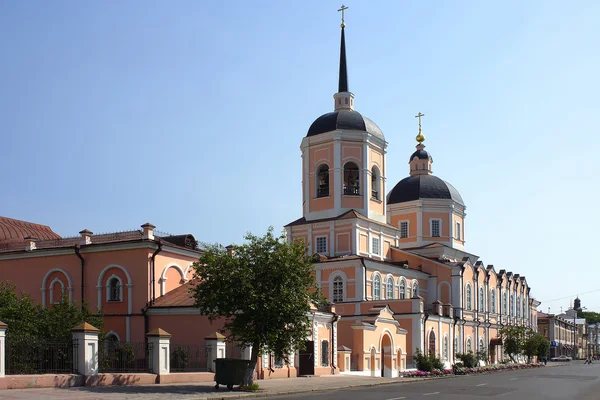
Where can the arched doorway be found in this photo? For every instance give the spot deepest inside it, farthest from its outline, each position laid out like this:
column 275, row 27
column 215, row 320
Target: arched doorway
column 387, row 364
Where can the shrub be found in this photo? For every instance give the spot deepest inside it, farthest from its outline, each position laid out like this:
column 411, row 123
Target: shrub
column 468, row 359
column 428, row 362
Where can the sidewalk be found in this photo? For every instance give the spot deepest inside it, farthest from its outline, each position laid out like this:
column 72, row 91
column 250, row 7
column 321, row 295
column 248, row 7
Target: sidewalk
column 199, row 391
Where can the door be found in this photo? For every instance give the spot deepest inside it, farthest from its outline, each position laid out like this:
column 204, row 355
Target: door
column 307, row 359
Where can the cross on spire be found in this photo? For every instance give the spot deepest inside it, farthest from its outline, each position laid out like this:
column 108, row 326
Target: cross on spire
column 420, row 137
column 342, row 10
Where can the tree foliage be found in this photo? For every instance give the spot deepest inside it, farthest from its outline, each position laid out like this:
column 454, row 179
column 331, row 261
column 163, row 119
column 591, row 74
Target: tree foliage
column 27, row 318
column 263, row 290
column 513, row 339
column 590, row 316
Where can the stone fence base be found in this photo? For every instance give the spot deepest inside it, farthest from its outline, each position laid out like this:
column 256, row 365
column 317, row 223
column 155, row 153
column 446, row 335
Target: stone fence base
column 68, row 380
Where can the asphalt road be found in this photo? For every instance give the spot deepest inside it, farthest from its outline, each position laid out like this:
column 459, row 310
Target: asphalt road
column 573, row 381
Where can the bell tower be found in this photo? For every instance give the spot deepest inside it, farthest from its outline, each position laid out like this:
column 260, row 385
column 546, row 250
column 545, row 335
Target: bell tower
column 343, row 158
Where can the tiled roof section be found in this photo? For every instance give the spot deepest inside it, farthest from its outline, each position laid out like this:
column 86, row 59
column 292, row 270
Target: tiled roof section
column 179, row 297
column 16, row 230
column 347, row 215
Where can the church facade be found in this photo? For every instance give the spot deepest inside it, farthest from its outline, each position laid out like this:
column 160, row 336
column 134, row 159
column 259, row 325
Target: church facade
column 395, row 265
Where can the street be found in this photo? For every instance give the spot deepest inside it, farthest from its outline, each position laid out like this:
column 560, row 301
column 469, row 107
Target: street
column 571, row 381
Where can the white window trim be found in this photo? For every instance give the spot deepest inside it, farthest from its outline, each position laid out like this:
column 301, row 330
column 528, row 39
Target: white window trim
column 468, row 304
column 445, row 347
column 493, row 308
column 62, row 285
column 481, row 300
column 378, row 247
column 431, row 227
column 400, row 280
column 407, row 228
column 317, row 181
column 412, row 286
column 108, row 300
column 326, row 252
column 375, row 274
column 468, row 343
column 344, row 277
column 458, row 231
column 387, row 277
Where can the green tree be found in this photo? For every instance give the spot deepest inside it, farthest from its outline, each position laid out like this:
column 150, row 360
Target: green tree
column 590, row 316
column 513, row 340
column 263, row 290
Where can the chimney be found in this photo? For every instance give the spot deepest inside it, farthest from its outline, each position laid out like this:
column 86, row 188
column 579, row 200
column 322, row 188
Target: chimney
column 148, row 231
column 30, row 243
column 86, row 237
column 230, row 250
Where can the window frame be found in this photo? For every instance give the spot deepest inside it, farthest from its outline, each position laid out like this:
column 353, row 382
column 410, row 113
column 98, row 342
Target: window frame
column 377, row 276
column 481, row 300
column 458, row 231
column 326, row 252
column 400, row 223
column 493, row 301
column 375, row 180
column 431, row 221
column 318, row 195
column 468, row 297
column 414, row 285
column 109, row 293
column 375, row 249
column 347, row 190
column 469, row 345
column 337, row 278
column 389, row 279
column 402, row 285
column 324, row 362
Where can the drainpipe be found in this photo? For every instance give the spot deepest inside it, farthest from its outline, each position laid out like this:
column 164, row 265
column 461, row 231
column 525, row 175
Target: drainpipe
column 76, row 247
column 336, row 318
column 425, row 333
column 152, row 273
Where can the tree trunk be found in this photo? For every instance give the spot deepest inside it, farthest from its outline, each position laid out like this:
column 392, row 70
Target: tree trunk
column 249, row 378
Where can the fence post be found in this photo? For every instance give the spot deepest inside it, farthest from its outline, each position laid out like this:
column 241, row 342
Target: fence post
column 86, row 356
column 161, row 351
column 3, row 327
column 215, row 348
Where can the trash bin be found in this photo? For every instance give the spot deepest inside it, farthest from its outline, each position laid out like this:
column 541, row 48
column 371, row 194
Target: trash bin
column 230, row 371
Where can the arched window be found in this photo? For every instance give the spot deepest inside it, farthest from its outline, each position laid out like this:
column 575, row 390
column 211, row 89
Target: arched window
column 324, row 353
column 351, row 179
column 375, row 183
column 493, row 301
column 415, row 288
column 512, row 305
column 323, row 180
column 481, row 300
column 468, row 297
column 376, row 287
column 389, row 288
column 432, row 342
column 115, row 289
column 505, row 304
column 402, row 289
column 338, row 289
column 469, row 346
column 455, row 345
column 519, row 307
column 481, row 345
column 445, row 349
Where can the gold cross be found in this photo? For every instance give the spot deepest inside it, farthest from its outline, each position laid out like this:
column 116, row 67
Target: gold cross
column 419, row 115
column 342, row 10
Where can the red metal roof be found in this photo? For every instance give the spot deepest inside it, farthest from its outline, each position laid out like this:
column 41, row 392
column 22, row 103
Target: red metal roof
column 16, row 230
column 178, row 297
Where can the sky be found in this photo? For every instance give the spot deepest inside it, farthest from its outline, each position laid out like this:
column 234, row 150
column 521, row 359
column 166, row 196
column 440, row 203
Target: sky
column 190, row 114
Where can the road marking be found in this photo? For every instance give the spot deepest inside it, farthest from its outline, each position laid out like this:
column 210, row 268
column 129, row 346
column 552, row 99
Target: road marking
column 429, row 394
column 397, row 398
column 481, row 384
column 513, row 379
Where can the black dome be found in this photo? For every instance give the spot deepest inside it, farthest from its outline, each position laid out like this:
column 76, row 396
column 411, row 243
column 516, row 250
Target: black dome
column 420, row 154
column 343, row 119
column 423, row 187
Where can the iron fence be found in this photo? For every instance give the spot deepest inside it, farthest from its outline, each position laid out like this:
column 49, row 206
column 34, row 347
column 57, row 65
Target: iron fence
column 188, row 358
column 120, row 357
column 233, row 350
column 27, row 355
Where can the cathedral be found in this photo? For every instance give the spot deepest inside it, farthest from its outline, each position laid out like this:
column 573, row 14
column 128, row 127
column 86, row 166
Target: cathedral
column 395, row 266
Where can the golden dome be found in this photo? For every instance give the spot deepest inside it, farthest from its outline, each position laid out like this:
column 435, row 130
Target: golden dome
column 420, row 137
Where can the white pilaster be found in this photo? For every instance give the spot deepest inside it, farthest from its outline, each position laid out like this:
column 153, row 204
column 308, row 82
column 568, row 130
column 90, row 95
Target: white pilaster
column 3, row 327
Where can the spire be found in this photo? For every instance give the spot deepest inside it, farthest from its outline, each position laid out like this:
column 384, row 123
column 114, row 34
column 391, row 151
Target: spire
column 343, row 84
column 420, row 161
column 343, row 99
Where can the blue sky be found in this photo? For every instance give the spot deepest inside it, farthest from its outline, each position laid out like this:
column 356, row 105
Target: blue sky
column 190, row 115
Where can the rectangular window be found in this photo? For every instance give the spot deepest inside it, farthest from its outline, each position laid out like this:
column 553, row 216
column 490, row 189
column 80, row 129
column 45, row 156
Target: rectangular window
column 324, row 353
column 458, row 230
column 404, row 229
column 322, row 244
column 435, row 227
column 375, row 246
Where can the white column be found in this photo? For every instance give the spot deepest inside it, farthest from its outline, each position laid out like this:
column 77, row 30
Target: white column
column 161, row 351
column 215, row 346
column 3, row 327
column 86, row 356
